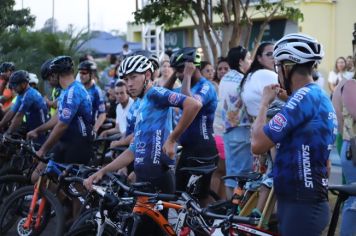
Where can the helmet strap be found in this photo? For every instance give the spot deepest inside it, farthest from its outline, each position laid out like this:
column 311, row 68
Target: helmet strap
column 145, row 82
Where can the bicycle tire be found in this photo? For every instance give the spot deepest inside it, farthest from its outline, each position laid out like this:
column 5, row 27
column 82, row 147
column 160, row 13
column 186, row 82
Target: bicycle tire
column 83, row 218
column 91, row 230
column 20, row 195
column 10, row 183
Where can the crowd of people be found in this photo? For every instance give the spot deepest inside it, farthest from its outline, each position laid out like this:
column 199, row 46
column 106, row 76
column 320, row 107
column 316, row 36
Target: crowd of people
column 268, row 113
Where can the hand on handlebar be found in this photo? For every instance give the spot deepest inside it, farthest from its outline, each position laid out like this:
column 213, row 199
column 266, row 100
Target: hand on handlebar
column 169, row 148
column 33, row 134
column 96, row 177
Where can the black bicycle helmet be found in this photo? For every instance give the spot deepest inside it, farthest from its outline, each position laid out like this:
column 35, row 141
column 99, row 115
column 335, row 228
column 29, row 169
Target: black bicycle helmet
column 18, row 77
column 7, row 66
column 61, row 64
column 88, row 66
column 45, row 71
column 188, row 54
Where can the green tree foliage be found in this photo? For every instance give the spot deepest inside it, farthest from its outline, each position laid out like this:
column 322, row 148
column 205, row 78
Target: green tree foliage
column 10, row 18
column 236, row 19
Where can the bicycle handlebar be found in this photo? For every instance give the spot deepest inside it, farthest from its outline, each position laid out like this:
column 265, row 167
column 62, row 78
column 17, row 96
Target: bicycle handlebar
column 132, row 191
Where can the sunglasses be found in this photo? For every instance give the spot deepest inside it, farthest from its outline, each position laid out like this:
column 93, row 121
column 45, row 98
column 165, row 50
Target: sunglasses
column 83, row 72
column 268, row 54
column 285, row 64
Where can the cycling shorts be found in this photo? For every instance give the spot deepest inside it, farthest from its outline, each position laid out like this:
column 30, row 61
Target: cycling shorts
column 77, row 151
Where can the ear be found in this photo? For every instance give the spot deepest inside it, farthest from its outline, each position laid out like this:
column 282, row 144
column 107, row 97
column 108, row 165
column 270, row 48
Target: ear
column 148, row 74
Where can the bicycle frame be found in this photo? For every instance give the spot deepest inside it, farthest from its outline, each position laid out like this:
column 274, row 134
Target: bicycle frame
column 52, row 167
column 144, row 207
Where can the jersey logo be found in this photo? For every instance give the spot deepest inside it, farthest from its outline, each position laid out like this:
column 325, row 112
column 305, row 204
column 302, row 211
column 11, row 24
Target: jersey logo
column 66, row 113
column 174, row 98
column 278, row 122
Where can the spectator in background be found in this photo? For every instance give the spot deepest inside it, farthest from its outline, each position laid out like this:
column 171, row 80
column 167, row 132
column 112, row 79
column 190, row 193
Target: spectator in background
column 236, row 121
column 207, row 71
column 217, row 185
column 222, row 68
column 338, row 73
column 33, row 82
column 166, row 72
column 109, row 73
column 318, row 77
column 350, row 64
column 260, row 74
column 126, row 50
column 6, row 95
column 124, row 103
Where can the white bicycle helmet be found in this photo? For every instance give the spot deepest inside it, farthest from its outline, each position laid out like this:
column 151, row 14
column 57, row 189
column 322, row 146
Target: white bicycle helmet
column 33, row 78
column 135, row 64
column 298, row 48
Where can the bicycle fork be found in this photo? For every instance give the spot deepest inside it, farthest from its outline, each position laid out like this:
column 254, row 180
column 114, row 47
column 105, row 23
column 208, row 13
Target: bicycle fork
column 29, row 222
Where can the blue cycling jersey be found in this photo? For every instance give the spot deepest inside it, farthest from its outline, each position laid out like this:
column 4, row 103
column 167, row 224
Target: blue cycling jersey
column 131, row 117
column 200, row 131
column 75, row 110
column 33, row 106
column 304, row 132
column 152, row 128
column 97, row 100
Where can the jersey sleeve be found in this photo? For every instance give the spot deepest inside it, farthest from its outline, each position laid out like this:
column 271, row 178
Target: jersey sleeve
column 15, row 107
column 69, row 104
column 300, row 108
column 100, row 102
column 204, row 94
column 27, row 101
column 167, row 98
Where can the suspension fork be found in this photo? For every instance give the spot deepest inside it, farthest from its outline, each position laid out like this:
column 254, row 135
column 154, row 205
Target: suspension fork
column 37, row 189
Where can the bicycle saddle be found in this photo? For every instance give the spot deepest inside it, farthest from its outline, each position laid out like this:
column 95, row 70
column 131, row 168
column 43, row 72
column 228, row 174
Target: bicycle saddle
column 204, row 160
column 110, row 138
column 118, row 149
column 200, row 170
column 244, row 176
column 347, row 189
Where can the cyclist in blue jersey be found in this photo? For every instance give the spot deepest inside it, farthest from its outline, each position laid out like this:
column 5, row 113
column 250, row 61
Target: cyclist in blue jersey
column 87, row 71
column 153, row 148
column 72, row 127
column 198, row 139
column 54, row 83
column 303, row 132
column 29, row 104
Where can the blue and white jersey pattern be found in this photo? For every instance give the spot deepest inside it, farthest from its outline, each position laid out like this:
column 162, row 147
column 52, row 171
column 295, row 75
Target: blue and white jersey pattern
column 33, row 106
column 97, row 100
column 131, row 117
column 200, row 131
column 75, row 110
column 152, row 128
column 304, row 132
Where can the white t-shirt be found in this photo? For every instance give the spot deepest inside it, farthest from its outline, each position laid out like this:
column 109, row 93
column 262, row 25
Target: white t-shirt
column 121, row 114
column 253, row 89
column 335, row 78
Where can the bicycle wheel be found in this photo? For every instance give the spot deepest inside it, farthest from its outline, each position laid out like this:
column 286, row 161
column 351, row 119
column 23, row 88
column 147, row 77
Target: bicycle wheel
column 14, row 211
column 91, row 229
column 85, row 217
column 10, row 183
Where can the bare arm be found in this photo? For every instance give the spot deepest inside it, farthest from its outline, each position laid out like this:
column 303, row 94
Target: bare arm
column 48, row 125
column 8, row 116
column 99, row 122
column 16, row 122
column 191, row 107
column 169, row 84
column 53, row 138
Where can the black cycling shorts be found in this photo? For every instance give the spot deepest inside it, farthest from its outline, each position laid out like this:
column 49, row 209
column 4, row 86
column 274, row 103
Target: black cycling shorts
column 77, row 151
column 182, row 177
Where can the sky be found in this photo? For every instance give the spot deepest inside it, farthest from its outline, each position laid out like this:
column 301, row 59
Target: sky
column 104, row 14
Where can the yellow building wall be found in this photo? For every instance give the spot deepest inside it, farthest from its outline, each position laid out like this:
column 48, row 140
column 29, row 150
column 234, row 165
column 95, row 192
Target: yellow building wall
column 331, row 22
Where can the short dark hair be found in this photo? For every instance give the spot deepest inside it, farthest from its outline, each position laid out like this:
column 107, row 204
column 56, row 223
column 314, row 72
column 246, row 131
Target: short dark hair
column 121, row 83
column 125, row 45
